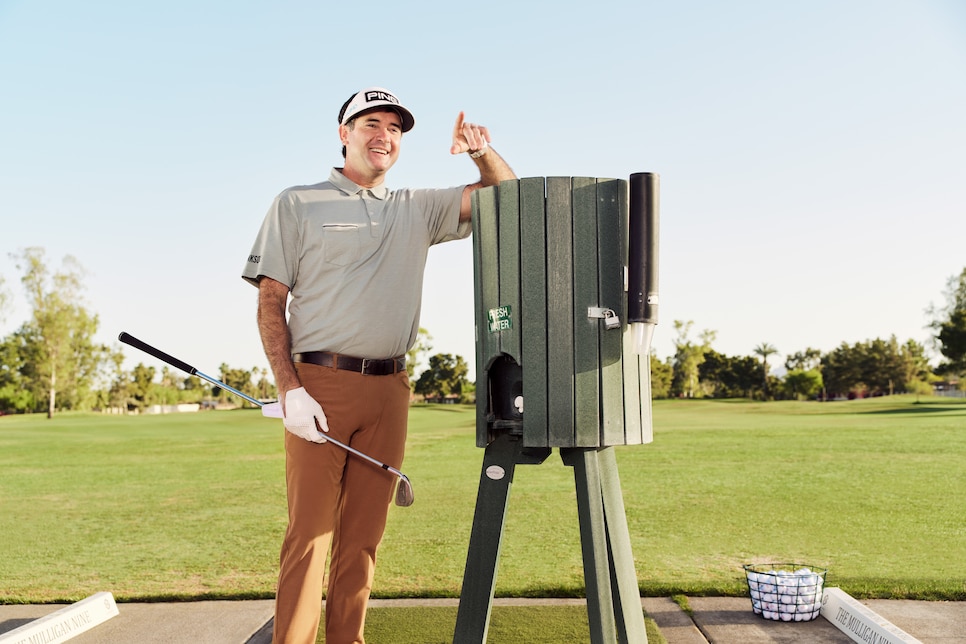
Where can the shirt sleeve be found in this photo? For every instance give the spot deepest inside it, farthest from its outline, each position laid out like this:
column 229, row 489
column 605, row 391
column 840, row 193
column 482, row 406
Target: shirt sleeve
column 276, row 249
column 442, row 211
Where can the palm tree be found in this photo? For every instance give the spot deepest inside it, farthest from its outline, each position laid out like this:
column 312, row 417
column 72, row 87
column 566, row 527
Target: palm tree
column 764, row 350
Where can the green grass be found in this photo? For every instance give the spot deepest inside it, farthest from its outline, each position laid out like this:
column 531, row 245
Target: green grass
column 192, row 506
column 531, row 624
column 147, row 507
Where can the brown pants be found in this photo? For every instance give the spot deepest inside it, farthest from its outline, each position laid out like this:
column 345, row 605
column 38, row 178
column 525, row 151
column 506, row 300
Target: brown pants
column 339, row 500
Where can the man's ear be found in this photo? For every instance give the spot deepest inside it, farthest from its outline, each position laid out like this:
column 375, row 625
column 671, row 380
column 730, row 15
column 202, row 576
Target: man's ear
column 343, row 134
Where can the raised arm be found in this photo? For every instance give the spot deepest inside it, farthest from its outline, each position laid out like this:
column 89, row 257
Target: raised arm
column 475, row 140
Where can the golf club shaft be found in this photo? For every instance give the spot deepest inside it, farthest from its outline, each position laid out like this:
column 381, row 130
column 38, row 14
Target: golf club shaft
column 127, row 338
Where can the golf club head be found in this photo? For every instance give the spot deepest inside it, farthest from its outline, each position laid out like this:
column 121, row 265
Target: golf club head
column 404, row 492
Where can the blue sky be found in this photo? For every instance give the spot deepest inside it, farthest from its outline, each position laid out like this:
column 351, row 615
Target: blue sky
column 812, row 155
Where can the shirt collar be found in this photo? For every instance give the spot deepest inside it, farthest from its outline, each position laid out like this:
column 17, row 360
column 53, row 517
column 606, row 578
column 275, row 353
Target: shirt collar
column 350, row 187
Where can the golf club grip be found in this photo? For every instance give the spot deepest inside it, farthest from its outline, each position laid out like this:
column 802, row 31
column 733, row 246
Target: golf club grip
column 127, row 338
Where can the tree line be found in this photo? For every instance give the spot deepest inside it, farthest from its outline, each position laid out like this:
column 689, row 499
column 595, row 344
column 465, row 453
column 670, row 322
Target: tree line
column 869, row 368
column 52, row 363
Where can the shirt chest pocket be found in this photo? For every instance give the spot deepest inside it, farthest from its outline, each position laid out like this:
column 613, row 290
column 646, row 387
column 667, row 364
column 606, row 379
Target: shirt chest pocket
column 342, row 243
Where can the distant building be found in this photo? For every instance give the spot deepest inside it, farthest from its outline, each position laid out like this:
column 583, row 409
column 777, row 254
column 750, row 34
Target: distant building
column 948, row 388
column 173, row 409
column 451, row 399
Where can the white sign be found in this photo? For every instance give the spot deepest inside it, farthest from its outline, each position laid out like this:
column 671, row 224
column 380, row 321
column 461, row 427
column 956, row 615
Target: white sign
column 66, row 623
column 859, row 622
column 500, row 319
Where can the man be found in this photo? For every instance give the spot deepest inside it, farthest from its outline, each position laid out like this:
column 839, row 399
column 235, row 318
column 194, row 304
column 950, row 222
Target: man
column 351, row 254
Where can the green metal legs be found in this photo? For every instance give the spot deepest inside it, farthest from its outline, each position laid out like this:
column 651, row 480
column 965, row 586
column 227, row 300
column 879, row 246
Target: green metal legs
column 479, row 578
column 613, row 598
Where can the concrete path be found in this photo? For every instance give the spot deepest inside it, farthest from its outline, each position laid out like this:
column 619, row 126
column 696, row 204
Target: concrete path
column 208, row 622
column 730, row 619
column 721, row 620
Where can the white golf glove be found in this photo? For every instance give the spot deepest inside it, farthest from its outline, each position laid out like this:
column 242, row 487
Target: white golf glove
column 301, row 413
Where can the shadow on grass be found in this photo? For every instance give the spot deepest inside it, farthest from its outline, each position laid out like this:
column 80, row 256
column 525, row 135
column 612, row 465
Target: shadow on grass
column 955, row 409
column 884, row 406
column 436, row 407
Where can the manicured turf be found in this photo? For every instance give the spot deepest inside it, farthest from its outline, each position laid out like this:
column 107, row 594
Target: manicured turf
column 508, row 625
column 192, row 505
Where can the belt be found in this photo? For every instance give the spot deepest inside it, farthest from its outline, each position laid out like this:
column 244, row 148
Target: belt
column 365, row 366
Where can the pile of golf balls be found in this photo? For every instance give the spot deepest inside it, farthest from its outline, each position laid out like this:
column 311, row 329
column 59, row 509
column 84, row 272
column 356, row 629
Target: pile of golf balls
column 786, row 596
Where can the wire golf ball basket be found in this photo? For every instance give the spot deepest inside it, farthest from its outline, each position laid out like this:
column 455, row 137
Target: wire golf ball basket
column 779, row 594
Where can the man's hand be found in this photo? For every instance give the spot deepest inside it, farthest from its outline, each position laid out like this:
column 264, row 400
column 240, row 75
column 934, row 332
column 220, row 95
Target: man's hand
column 475, row 139
column 469, row 137
column 303, row 415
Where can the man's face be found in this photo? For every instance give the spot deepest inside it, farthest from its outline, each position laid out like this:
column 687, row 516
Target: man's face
column 372, row 143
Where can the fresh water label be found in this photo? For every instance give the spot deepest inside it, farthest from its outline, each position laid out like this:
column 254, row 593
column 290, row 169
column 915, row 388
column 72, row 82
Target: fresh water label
column 500, row 319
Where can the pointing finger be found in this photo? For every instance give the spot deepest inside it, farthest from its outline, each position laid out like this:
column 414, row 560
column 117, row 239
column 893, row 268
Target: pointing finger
column 459, row 127
column 459, row 138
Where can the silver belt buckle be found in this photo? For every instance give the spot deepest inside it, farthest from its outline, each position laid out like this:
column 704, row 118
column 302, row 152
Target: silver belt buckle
column 365, row 366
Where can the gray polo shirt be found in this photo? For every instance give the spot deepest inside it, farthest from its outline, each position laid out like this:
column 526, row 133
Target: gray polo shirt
column 353, row 259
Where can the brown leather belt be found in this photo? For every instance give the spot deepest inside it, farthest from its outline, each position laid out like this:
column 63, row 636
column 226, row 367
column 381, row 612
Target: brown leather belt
column 365, row 366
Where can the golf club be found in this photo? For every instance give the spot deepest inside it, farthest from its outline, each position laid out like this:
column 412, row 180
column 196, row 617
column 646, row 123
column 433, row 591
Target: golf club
column 404, row 491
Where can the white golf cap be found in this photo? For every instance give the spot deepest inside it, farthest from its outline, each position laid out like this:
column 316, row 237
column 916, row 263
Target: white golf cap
column 372, row 99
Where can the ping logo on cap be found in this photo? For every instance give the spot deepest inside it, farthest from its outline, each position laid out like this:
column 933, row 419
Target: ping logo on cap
column 371, row 99
column 376, row 95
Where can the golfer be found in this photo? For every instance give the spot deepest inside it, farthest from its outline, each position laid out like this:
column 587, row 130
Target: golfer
column 348, row 256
